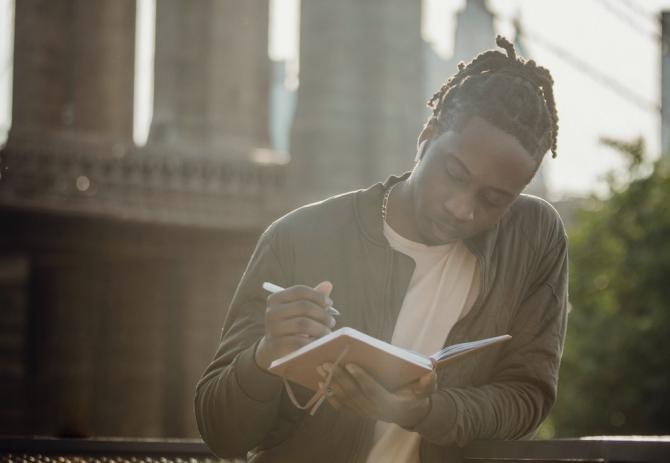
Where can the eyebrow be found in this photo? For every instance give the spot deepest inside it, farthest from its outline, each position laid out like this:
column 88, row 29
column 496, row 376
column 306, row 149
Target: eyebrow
column 492, row 188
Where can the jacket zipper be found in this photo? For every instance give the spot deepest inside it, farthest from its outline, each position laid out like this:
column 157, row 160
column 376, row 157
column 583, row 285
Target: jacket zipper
column 365, row 427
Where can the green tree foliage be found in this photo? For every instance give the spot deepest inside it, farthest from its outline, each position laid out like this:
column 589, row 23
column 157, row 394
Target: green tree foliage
column 615, row 375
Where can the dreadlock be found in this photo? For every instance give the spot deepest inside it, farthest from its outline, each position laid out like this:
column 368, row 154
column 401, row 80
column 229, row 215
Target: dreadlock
column 514, row 94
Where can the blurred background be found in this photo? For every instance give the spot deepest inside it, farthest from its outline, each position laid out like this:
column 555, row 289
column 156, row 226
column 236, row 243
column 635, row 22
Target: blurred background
column 147, row 143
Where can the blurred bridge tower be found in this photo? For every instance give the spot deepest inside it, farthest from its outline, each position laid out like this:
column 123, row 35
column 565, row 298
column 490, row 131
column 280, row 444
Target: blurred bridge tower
column 66, row 94
column 210, row 126
column 359, row 101
column 72, row 112
column 119, row 261
column 211, row 93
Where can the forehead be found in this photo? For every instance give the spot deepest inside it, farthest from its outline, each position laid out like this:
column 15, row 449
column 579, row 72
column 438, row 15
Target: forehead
column 492, row 156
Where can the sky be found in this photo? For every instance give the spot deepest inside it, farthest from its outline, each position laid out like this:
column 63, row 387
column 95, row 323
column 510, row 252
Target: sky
column 615, row 40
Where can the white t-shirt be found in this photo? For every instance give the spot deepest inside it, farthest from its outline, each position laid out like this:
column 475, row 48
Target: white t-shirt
column 444, row 285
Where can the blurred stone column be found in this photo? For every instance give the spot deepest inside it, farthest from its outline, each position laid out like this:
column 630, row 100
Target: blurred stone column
column 72, row 106
column 212, row 77
column 211, row 103
column 73, row 74
column 360, row 100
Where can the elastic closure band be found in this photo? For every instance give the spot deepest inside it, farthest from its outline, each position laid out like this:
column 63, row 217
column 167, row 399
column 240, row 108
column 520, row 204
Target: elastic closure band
column 319, row 396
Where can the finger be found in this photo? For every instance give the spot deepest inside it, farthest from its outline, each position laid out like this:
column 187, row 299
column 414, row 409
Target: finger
column 353, row 403
column 300, row 292
column 332, row 400
column 347, row 391
column 298, row 326
column 366, row 383
column 300, row 308
column 379, row 399
column 328, row 390
column 342, row 384
column 330, row 393
column 288, row 344
column 343, row 380
column 426, row 384
column 325, row 287
column 423, row 386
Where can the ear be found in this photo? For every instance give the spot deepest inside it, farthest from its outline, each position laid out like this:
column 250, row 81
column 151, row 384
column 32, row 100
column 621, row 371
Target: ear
column 427, row 133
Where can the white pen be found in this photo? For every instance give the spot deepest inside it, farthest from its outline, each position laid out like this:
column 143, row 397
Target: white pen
column 273, row 288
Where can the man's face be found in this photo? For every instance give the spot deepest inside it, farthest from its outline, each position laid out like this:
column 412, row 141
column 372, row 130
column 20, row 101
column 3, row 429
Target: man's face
column 466, row 181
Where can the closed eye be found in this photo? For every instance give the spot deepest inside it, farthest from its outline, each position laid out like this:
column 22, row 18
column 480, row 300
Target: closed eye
column 494, row 200
column 455, row 173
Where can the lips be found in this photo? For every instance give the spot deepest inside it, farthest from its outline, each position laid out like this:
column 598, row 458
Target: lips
column 445, row 232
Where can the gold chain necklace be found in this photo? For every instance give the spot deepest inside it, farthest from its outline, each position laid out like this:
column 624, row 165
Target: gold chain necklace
column 385, row 202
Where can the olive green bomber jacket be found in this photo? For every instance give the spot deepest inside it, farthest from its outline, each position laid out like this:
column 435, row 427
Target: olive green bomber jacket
column 501, row 393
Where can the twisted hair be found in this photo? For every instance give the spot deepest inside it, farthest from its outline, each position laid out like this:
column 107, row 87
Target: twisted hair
column 514, row 94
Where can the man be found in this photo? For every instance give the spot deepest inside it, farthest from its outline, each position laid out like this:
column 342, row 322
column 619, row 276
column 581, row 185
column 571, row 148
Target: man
column 450, row 252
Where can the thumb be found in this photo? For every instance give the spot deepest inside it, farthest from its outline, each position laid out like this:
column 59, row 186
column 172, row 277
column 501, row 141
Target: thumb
column 426, row 384
column 325, row 287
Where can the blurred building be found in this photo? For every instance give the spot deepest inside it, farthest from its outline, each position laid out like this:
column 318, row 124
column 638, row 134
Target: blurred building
column 283, row 99
column 474, row 32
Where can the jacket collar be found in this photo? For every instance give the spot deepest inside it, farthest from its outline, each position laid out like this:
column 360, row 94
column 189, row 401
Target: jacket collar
column 367, row 207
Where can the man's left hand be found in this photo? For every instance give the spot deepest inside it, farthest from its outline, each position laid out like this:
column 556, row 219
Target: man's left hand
column 354, row 389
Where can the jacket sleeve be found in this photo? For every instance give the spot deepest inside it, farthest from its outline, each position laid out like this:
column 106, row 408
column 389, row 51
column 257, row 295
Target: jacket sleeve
column 523, row 386
column 237, row 403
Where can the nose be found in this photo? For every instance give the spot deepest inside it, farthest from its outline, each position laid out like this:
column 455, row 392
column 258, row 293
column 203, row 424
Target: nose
column 461, row 207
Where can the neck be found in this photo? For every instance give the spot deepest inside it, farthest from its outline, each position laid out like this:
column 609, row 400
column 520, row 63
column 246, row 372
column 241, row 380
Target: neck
column 400, row 211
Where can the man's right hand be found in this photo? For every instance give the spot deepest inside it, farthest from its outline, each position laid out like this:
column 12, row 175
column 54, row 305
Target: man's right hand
column 294, row 317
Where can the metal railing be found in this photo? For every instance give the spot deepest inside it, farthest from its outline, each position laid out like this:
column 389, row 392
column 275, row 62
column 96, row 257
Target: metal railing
column 617, row 449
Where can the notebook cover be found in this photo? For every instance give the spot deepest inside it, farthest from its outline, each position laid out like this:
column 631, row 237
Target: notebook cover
column 390, row 370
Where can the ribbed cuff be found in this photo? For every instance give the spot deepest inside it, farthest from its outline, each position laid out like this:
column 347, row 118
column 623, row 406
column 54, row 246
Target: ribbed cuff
column 443, row 415
column 255, row 382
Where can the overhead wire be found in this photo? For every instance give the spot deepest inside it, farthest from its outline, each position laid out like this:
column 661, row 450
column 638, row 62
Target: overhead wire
column 633, row 24
column 639, row 11
column 588, row 70
column 582, row 66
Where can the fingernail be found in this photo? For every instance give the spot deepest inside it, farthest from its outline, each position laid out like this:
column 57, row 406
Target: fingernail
column 332, row 322
column 329, row 301
column 320, row 371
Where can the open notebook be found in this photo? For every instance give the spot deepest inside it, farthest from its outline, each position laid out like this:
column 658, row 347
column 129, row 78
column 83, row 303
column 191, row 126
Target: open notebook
column 392, row 366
